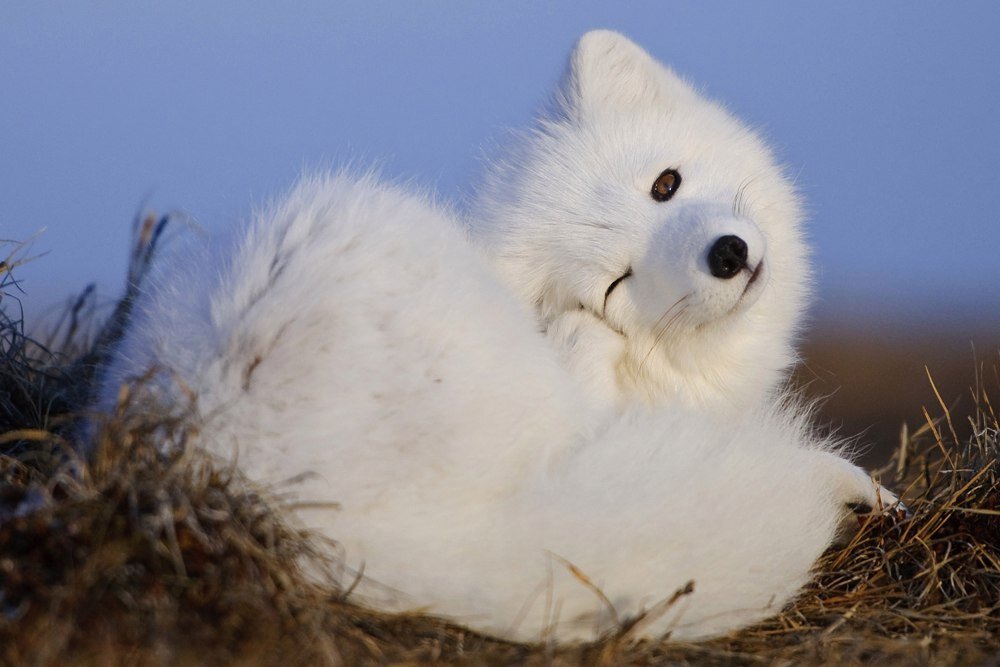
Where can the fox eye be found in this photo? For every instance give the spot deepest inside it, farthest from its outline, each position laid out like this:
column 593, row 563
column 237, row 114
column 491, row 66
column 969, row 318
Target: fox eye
column 666, row 185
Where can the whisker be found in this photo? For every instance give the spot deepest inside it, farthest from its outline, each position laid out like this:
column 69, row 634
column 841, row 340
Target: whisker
column 661, row 335
column 740, row 207
column 661, row 331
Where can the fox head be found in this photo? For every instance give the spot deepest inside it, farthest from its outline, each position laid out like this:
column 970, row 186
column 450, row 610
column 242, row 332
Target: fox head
column 637, row 199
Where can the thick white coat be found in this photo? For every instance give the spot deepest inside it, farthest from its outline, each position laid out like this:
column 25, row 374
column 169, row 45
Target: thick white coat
column 353, row 340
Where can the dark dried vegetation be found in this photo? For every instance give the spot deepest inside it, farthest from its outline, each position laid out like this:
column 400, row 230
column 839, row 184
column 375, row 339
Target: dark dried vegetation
column 134, row 556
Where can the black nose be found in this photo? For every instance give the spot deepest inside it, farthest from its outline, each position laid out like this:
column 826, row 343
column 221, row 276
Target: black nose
column 727, row 257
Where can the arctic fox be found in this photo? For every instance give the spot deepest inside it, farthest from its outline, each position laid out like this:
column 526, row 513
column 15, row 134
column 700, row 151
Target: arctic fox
column 353, row 338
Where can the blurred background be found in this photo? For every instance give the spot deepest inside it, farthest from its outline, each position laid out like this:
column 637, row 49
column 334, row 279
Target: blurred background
column 885, row 114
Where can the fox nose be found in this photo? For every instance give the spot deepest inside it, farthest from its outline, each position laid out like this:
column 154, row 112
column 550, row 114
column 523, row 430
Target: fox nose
column 727, row 256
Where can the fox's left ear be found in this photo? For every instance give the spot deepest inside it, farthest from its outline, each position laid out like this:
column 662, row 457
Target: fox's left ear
column 607, row 71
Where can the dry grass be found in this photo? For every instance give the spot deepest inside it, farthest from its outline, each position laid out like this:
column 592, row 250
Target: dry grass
column 137, row 557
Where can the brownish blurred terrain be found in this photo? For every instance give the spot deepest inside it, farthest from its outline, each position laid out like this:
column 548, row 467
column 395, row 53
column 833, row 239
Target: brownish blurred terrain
column 873, row 376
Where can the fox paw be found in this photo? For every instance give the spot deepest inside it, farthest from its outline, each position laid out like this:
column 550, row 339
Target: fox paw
column 860, row 496
column 592, row 351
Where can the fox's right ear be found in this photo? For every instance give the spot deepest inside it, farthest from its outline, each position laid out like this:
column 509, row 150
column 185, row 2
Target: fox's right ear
column 609, row 72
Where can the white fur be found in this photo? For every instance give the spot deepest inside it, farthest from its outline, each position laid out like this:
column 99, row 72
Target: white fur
column 354, row 333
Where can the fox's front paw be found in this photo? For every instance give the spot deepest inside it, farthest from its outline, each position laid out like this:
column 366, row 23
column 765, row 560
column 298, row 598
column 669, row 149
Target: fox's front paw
column 592, row 351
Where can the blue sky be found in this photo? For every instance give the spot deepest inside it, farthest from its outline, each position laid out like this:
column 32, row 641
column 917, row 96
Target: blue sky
column 885, row 112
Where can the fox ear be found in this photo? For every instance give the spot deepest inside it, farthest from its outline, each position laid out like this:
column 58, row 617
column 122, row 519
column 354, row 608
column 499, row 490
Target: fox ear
column 607, row 71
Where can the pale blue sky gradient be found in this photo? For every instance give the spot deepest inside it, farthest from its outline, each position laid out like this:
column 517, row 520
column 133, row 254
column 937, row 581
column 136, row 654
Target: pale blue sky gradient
column 886, row 113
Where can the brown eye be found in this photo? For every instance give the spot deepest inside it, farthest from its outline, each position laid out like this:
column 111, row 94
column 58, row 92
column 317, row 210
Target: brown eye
column 666, row 185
